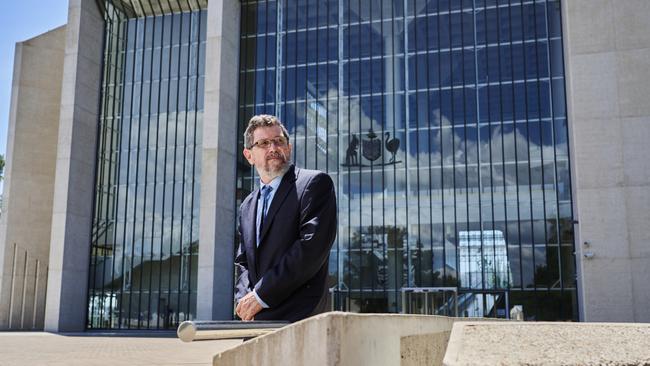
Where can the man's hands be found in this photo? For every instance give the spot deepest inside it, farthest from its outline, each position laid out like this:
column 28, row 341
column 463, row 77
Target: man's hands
column 248, row 307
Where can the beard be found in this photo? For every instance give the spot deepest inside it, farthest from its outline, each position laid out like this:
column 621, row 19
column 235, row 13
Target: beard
column 275, row 164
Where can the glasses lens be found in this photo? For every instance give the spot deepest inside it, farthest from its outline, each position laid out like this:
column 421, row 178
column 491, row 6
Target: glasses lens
column 279, row 141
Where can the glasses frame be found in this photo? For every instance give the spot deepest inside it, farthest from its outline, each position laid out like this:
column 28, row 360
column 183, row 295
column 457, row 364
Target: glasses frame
column 279, row 141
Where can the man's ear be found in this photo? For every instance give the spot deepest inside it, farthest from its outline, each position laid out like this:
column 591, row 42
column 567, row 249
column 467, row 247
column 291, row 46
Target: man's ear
column 248, row 156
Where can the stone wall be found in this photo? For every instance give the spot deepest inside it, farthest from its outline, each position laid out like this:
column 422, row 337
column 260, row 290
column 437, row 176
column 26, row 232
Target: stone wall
column 25, row 224
column 607, row 58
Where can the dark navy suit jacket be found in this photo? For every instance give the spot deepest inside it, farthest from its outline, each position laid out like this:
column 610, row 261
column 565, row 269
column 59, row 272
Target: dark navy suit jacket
column 289, row 267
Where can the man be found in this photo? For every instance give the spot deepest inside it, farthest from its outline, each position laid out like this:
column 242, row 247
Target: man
column 286, row 227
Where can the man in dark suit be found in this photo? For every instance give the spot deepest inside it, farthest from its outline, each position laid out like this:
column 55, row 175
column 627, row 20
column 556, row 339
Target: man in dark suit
column 286, row 228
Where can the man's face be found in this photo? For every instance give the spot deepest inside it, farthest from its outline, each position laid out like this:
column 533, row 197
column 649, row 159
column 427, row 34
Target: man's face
column 270, row 153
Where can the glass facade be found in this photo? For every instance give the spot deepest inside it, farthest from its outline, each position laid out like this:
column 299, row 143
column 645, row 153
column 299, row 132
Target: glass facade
column 443, row 124
column 144, row 245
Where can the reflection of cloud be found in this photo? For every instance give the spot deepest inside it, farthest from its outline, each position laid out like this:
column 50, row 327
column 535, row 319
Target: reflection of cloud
column 503, row 145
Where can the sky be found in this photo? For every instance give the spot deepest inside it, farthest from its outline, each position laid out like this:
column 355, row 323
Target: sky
column 19, row 21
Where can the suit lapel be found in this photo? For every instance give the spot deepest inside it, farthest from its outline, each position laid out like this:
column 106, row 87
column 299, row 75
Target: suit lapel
column 278, row 199
column 250, row 236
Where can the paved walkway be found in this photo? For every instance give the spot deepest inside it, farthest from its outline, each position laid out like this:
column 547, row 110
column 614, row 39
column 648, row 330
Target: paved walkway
column 39, row 348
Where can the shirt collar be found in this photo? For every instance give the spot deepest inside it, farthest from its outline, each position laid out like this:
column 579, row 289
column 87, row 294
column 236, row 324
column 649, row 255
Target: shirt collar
column 275, row 183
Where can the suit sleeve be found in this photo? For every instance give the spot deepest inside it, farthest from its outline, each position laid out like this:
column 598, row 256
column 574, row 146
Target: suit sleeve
column 309, row 253
column 242, row 287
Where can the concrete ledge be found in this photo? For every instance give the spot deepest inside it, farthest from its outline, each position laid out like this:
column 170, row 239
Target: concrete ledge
column 347, row 339
column 545, row 343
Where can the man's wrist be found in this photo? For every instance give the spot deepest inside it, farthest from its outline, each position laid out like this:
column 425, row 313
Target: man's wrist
column 259, row 300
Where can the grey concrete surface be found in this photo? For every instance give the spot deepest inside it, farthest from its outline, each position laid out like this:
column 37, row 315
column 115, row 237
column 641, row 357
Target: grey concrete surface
column 545, row 343
column 25, row 224
column 218, row 163
column 22, row 348
column 607, row 63
column 67, row 284
column 338, row 338
column 424, row 349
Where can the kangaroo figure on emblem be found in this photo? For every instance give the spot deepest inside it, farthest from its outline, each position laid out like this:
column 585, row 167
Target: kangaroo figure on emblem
column 351, row 157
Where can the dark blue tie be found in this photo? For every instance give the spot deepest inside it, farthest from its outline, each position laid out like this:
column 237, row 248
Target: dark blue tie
column 265, row 192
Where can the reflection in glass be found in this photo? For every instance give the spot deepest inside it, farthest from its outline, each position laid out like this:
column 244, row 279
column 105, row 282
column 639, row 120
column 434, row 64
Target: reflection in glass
column 443, row 125
column 145, row 227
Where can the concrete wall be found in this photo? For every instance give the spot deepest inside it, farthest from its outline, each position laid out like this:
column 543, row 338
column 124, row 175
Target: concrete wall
column 26, row 219
column 67, row 285
column 547, row 343
column 348, row 339
column 217, row 211
column 607, row 58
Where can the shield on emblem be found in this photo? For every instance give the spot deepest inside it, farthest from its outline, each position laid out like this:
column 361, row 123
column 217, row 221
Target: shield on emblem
column 372, row 149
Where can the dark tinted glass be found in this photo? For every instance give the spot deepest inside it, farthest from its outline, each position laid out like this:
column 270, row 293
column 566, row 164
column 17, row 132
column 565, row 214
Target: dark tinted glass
column 145, row 228
column 445, row 132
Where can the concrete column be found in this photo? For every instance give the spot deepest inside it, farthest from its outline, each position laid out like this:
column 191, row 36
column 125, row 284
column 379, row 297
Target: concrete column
column 607, row 59
column 218, row 165
column 25, row 224
column 67, row 286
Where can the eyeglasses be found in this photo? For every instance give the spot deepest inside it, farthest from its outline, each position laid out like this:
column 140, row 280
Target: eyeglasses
column 279, row 141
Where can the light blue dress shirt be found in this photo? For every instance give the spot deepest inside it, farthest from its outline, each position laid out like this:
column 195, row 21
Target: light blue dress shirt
column 275, row 183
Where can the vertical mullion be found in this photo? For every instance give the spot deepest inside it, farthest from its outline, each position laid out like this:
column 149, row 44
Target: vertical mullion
column 146, row 171
column 173, row 208
column 514, row 121
column 128, row 168
column 464, row 106
column 191, row 15
column 306, row 86
column 530, row 190
column 165, row 178
column 99, row 175
column 316, row 94
column 406, row 133
column 429, row 167
column 111, row 177
column 137, row 169
column 541, row 143
column 372, row 232
column 453, row 145
column 555, row 180
column 123, row 45
column 278, row 60
column 243, row 75
column 194, row 143
column 490, row 125
column 349, row 175
column 339, row 89
column 284, row 60
column 577, row 309
column 503, row 157
column 295, row 86
column 264, row 68
column 243, row 81
column 442, row 170
column 383, row 168
column 489, row 128
column 360, row 103
column 418, row 244
column 155, row 174
column 394, row 117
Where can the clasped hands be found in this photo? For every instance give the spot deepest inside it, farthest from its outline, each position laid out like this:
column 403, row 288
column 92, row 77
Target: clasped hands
column 248, row 307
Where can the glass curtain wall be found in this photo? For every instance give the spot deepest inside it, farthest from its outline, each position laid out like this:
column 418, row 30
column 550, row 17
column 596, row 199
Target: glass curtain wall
column 443, row 124
column 145, row 228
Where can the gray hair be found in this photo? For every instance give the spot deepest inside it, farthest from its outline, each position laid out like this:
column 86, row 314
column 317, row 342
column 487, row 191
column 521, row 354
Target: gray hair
column 262, row 120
